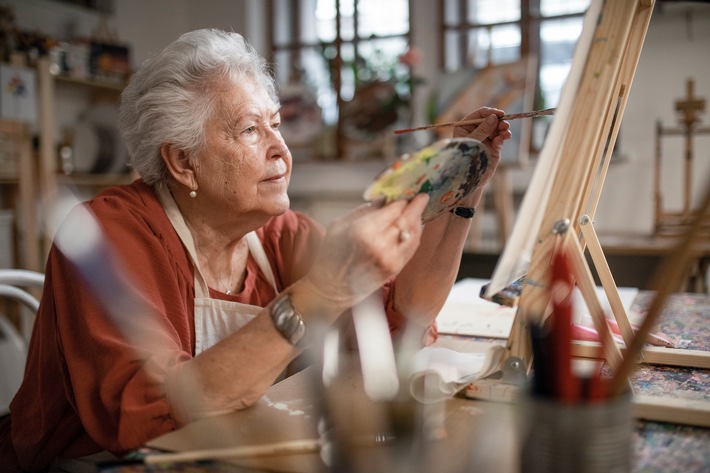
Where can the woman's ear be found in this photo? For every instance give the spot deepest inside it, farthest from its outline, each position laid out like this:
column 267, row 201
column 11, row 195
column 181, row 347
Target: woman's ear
column 179, row 165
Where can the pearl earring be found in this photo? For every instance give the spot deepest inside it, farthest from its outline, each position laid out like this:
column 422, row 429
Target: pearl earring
column 193, row 193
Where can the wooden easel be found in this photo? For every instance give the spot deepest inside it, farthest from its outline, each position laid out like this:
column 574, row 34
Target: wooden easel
column 672, row 223
column 583, row 150
column 584, row 157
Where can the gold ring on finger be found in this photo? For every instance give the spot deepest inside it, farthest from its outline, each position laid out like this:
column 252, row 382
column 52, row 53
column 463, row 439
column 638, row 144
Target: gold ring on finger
column 404, row 235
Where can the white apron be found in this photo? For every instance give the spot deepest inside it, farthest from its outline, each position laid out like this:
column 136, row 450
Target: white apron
column 214, row 319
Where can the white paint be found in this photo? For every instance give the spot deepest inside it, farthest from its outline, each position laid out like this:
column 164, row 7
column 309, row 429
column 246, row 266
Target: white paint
column 284, row 406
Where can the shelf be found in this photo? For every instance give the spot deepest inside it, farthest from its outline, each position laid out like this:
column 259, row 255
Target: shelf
column 97, row 180
column 99, row 84
column 50, row 176
column 9, row 180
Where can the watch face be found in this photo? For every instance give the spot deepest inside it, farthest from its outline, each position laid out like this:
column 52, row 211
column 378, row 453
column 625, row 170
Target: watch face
column 287, row 321
column 448, row 170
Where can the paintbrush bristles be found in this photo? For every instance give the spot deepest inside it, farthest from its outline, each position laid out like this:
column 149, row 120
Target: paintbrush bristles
column 476, row 121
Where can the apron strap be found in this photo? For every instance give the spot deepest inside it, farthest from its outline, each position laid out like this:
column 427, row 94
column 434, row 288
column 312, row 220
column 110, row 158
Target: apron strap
column 254, row 244
column 176, row 218
column 257, row 251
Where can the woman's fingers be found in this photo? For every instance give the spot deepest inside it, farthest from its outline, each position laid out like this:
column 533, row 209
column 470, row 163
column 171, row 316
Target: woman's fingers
column 407, row 212
column 408, row 224
column 485, row 129
column 492, row 132
column 366, row 247
column 483, row 112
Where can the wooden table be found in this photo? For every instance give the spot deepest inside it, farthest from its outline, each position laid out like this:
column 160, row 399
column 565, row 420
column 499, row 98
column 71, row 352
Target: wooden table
column 461, row 434
column 654, row 248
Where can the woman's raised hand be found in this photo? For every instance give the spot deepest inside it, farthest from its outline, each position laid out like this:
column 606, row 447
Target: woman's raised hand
column 492, row 133
column 365, row 248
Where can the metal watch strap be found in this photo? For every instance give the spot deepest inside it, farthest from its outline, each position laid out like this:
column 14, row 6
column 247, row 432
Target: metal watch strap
column 464, row 212
column 287, row 321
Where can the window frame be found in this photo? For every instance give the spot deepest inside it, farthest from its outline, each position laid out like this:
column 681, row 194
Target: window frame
column 530, row 25
column 295, row 45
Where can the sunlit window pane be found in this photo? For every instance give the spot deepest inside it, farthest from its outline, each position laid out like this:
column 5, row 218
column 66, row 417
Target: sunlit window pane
column 559, row 38
column 319, row 80
column 562, row 7
column 493, row 11
column 347, row 21
column 325, row 20
column 494, row 45
column 347, row 74
column 347, row 8
column 379, row 35
column 383, row 17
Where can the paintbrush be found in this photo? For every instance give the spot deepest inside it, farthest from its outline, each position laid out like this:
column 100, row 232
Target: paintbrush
column 476, row 121
column 292, row 447
column 288, row 447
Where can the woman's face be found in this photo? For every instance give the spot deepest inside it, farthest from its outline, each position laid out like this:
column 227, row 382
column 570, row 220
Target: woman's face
column 246, row 166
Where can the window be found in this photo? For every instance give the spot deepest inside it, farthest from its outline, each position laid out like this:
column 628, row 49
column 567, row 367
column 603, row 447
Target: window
column 487, row 32
column 335, row 46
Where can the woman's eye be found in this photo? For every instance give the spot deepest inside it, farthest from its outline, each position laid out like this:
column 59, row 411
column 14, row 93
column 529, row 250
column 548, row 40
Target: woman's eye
column 250, row 130
column 276, row 125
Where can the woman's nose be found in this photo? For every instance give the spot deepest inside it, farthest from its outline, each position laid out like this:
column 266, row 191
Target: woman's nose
column 276, row 142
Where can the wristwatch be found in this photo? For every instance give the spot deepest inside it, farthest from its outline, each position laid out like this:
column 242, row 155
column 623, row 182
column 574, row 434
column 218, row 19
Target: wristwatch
column 464, row 212
column 287, row 321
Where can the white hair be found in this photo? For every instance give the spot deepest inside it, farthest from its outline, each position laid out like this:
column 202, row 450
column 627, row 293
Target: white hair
column 171, row 96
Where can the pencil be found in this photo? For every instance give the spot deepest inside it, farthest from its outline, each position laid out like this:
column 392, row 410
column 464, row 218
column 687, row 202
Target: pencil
column 653, row 338
column 476, row 121
column 567, row 388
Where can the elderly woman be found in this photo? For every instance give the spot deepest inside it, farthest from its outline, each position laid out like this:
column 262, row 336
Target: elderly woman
column 232, row 277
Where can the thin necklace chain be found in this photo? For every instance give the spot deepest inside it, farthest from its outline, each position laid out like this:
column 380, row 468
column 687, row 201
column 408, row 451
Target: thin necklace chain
column 227, row 287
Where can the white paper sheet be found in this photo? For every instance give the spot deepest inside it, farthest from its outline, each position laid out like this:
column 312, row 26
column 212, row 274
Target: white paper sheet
column 581, row 313
column 466, row 313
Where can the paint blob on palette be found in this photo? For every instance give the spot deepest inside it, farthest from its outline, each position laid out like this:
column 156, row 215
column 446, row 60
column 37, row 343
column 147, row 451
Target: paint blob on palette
column 448, row 170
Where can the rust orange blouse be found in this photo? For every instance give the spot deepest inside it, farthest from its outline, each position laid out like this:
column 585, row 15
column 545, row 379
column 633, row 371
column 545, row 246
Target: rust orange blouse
column 86, row 388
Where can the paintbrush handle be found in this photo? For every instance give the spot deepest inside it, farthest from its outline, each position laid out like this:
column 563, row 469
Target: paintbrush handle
column 279, row 448
column 476, row 121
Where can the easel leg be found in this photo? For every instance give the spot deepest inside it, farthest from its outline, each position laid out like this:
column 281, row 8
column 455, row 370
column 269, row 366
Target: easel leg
column 585, row 282
column 607, row 280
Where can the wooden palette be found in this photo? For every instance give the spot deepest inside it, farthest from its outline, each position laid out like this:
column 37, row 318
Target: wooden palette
column 448, row 170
